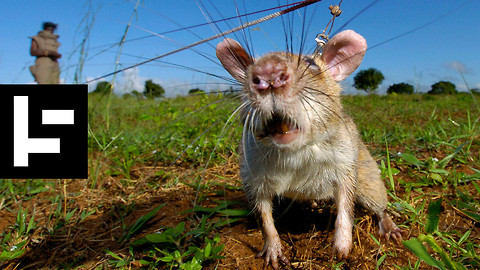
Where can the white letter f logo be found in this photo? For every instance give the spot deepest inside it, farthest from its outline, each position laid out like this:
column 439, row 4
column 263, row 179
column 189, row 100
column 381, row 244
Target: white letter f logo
column 22, row 145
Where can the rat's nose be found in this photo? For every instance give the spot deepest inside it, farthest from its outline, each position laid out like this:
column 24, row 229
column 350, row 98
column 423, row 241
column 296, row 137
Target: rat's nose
column 269, row 76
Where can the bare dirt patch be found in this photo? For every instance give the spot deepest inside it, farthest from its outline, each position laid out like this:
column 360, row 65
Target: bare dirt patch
column 306, row 231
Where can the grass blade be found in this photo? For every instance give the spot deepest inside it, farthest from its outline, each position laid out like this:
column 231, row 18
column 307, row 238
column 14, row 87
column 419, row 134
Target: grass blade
column 141, row 221
column 380, row 261
column 415, row 246
column 235, row 212
column 412, row 160
column 444, row 162
column 449, row 263
column 433, row 216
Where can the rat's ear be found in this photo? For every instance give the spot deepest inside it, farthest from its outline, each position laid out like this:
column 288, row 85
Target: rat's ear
column 344, row 53
column 234, row 58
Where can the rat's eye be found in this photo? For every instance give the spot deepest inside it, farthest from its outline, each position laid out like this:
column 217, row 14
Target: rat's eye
column 311, row 63
column 256, row 80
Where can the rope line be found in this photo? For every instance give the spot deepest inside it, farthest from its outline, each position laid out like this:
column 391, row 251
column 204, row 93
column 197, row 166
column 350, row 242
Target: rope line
column 248, row 24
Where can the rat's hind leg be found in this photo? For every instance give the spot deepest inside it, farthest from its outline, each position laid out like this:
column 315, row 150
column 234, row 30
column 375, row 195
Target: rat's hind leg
column 372, row 195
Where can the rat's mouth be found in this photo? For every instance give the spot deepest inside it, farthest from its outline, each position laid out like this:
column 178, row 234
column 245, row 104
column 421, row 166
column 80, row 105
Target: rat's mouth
column 282, row 130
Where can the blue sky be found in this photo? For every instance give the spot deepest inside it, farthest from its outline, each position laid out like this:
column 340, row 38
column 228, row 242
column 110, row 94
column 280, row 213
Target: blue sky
column 433, row 53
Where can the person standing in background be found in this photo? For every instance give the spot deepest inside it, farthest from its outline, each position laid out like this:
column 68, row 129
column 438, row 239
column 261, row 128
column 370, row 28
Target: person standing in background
column 45, row 47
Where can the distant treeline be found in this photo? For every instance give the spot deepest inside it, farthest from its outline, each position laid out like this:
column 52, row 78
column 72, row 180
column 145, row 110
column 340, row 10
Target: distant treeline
column 366, row 80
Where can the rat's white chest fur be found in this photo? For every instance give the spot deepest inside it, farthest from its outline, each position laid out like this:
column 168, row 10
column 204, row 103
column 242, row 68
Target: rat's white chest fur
column 311, row 172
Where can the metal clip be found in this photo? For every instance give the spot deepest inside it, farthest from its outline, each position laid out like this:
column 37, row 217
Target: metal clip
column 321, row 40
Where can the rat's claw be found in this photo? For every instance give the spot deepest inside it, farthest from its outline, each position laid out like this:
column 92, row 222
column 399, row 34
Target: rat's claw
column 389, row 229
column 342, row 254
column 342, row 248
column 396, row 235
column 272, row 250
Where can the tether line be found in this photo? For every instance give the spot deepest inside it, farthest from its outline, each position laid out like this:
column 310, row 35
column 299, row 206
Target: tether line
column 248, row 24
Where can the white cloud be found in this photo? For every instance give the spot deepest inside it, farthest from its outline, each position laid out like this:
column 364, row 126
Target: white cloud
column 457, row 66
column 130, row 81
column 461, row 87
column 176, row 87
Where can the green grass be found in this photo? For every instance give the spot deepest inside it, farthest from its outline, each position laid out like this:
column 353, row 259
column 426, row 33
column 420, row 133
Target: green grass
column 439, row 135
column 188, row 129
column 427, row 147
column 185, row 128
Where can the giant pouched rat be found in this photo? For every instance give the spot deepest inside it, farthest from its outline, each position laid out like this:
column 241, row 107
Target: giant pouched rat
column 297, row 140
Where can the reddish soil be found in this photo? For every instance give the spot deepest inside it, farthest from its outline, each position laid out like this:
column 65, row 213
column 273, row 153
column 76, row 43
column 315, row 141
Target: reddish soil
column 306, row 231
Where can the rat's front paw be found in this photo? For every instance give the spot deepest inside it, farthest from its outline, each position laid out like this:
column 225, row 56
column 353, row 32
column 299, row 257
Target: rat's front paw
column 388, row 229
column 272, row 250
column 393, row 232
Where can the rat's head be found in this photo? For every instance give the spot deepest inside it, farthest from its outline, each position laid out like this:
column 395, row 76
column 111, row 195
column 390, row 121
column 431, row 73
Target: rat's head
column 289, row 98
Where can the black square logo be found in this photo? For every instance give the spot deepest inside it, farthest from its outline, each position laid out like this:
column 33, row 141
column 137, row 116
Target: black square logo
column 44, row 131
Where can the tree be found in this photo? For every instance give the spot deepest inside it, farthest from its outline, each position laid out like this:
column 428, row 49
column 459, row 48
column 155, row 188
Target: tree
column 103, row 88
column 400, row 88
column 368, row 80
column 153, row 90
column 133, row 94
column 196, row 91
column 137, row 94
column 443, row 87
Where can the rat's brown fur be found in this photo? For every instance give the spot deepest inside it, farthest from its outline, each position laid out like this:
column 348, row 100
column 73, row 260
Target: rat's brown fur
column 299, row 143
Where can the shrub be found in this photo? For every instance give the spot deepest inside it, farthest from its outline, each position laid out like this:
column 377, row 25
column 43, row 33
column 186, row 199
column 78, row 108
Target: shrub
column 195, row 91
column 443, row 87
column 103, row 88
column 400, row 88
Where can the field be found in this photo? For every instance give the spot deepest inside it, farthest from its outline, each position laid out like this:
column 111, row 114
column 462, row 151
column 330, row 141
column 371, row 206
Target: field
column 164, row 193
